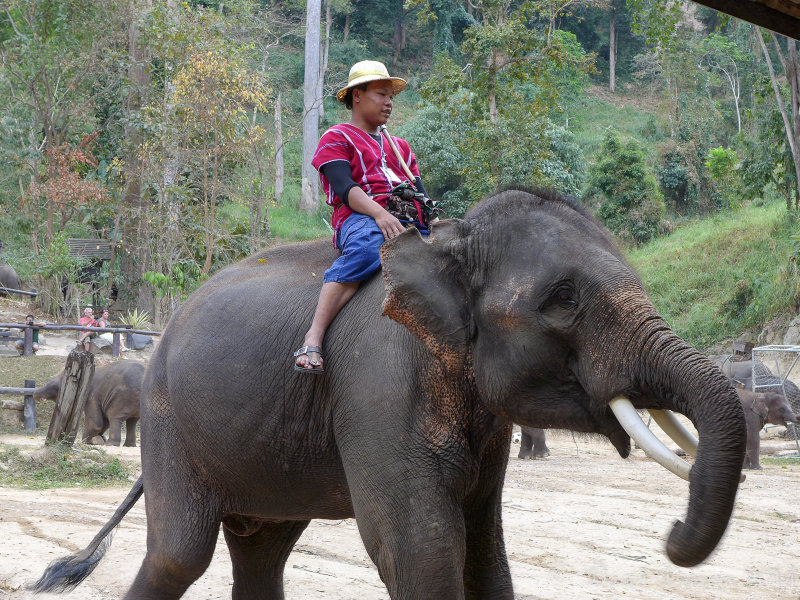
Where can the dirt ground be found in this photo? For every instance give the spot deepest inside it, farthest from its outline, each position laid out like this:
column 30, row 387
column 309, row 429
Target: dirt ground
column 581, row 524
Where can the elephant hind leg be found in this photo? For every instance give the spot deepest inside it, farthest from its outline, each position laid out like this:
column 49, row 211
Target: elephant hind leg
column 130, row 431
column 259, row 552
column 180, row 545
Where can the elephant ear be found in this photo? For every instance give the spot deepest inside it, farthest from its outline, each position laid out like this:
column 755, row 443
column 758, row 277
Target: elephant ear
column 427, row 288
column 760, row 408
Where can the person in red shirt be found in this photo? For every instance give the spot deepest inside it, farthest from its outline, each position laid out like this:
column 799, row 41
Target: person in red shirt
column 358, row 169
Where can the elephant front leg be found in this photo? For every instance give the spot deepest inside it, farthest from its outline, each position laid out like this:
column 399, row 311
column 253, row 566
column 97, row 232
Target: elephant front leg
column 486, row 570
column 416, row 541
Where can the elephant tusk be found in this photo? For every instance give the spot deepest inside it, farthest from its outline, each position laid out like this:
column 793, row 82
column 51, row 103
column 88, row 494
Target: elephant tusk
column 631, row 422
column 635, row 427
column 670, row 425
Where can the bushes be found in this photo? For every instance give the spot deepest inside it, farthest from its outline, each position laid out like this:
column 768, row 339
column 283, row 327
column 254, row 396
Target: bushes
column 630, row 202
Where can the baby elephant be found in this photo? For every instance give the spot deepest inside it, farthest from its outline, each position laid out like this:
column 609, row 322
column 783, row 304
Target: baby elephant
column 759, row 409
column 113, row 399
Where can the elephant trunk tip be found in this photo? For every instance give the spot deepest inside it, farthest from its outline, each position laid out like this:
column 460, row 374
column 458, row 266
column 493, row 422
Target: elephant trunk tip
column 687, row 547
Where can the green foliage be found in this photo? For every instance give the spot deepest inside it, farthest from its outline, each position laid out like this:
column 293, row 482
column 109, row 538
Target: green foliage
column 136, row 319
column 722, row 165
column 182, row 279
column 682, row 178
column 630, row 203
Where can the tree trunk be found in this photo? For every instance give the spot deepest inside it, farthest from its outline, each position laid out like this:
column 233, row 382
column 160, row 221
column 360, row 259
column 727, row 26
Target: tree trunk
column 399, row 35
column 133, row 243
column 324, row 66
column 793, row 76
column 278, row 149
column 309, row 183
column 612, row 55
column 346, row 27
column 792, row 128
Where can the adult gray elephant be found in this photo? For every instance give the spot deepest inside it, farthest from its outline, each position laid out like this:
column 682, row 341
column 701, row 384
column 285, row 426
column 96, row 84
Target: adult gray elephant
column 524, row 311
column 8, row 279
column 112, row 400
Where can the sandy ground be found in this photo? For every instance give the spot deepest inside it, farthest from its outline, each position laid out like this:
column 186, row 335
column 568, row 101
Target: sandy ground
column 581, row 524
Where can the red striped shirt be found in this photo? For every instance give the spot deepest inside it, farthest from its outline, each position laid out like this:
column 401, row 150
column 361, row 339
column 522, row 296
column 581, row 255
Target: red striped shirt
column 373, row 163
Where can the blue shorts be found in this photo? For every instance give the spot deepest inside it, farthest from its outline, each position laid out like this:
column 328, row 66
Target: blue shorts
column 359, row 239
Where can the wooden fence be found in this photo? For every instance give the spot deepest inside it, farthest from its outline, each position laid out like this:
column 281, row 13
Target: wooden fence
column 115, row 331
column 27, row 406
column 78, row 373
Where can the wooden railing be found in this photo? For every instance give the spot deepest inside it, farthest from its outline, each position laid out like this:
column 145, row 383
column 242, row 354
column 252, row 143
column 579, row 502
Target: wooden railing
column 115, row 331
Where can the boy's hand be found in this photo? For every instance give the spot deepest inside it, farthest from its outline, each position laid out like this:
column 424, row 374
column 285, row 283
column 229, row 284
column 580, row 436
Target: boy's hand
column 388, row 224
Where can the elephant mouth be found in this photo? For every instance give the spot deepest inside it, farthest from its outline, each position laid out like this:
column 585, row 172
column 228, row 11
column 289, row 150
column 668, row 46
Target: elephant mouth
column 634, row 426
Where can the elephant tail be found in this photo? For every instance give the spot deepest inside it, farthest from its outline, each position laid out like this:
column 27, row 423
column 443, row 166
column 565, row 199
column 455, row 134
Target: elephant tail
column 64, row 574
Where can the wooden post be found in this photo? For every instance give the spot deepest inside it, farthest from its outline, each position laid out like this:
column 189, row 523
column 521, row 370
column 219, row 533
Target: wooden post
column 29, row 409
column 129, row 340
column 28, row 350
column 115, row 344
column 78, row 373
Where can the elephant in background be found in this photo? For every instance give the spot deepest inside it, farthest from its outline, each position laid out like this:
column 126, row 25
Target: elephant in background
column 760, row 409
column 741, row 373
column 112, row 399
column 8, row 279
column 524, row 311
column 532, row 443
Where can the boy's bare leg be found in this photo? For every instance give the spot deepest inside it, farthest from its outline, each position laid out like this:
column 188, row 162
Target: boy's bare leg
column 333, row 296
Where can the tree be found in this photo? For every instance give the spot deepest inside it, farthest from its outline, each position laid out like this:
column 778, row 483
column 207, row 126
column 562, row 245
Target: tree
column 723, row 56
column 59, row 63
column 309, row 190
column 213, row 92
column 629, row 201
column 791, row 69
column 501, row 99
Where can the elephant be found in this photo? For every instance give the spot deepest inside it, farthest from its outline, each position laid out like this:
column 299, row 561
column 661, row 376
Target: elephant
column 523, row 311
column 741, row 373
column 532, row 443
column 735, row 369
column 8, row 279
column 112, row 399
column 760, row 409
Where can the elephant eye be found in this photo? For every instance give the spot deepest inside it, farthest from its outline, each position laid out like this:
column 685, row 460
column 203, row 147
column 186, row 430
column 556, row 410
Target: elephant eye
column 563, row 296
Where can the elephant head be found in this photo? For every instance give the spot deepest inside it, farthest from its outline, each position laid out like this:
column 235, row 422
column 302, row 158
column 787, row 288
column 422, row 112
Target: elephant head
column 529, row 300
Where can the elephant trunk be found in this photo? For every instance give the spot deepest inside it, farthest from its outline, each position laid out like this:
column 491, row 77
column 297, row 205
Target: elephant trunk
column 681, row 379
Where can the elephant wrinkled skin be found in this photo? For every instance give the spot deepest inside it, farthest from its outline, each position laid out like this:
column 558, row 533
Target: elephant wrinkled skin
column 523, row 311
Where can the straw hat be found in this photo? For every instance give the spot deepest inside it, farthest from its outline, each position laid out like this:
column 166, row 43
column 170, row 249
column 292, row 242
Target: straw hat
column 366, row 71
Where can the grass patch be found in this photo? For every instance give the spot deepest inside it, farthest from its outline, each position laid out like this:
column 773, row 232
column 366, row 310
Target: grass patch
column 15, row 370
column 785, row 517
column 782, row 462
column 62, row 465
column 589, row 117
column 751, row 519
column 715, row 278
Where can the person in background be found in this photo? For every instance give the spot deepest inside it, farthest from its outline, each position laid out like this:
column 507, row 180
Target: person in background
column 88, row 320
column 20, row 344
column 104, row 321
